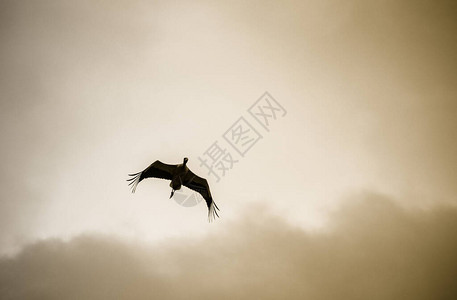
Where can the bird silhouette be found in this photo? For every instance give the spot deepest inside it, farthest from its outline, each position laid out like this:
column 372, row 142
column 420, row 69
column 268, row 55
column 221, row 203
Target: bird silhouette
column 179, row 175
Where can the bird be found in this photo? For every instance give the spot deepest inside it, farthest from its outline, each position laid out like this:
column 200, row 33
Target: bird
column 180, row 175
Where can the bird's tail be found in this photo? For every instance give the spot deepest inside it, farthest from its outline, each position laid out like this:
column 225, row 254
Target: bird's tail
column 134, row 180
column 212, row 211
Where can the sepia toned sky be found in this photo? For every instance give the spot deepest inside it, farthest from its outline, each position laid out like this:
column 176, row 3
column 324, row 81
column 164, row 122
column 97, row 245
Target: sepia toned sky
column 351, row 193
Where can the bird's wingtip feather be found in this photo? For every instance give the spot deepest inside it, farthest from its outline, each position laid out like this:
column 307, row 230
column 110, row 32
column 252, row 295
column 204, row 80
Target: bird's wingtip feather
column 134, row 181
column 212, row 212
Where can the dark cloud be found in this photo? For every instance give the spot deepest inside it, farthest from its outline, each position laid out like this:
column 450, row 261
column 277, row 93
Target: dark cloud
column 373, row 249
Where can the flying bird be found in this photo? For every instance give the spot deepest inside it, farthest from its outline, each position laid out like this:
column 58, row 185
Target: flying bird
column 179, row 175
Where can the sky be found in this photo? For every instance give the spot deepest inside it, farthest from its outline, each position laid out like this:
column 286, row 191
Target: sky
column 359, row 170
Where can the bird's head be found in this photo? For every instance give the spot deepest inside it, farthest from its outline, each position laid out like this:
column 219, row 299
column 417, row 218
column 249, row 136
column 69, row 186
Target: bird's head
column 185, row 160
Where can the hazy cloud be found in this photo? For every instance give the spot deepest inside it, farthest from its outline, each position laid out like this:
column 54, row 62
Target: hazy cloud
column 373, row 249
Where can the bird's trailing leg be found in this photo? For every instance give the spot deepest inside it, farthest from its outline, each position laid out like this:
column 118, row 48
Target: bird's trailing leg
column 172, row 193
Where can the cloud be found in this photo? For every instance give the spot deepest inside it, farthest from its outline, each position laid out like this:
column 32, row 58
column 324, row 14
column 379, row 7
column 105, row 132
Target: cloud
column 373, row 249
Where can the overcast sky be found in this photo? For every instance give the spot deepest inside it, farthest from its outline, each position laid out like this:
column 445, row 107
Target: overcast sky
column 91, row 91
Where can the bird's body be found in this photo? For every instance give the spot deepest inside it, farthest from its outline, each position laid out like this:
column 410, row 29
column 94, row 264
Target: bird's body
column 180, row 175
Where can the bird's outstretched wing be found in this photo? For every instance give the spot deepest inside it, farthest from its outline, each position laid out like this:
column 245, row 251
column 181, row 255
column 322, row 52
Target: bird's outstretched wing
column 157, row 169
column 201, row 186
